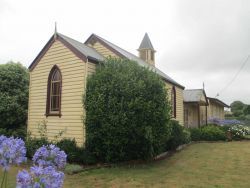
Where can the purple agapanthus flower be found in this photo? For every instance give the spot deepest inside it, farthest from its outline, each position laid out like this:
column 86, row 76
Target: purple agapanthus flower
column 12, row 152
column 39, row 177
column 221, row 122
column 50, row 156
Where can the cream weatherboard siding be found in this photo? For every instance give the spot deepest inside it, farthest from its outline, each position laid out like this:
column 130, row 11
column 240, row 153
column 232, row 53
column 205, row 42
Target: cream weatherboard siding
column 179, row 102
column 215, row 111
column 73, row 72
column 102, row 49
column 192, row 115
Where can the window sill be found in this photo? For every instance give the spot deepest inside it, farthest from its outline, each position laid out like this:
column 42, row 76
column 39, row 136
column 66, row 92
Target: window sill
column 53, row 114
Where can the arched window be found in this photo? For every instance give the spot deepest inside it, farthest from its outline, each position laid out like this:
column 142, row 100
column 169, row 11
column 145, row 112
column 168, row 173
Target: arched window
column 54, row 92
column 173, row 101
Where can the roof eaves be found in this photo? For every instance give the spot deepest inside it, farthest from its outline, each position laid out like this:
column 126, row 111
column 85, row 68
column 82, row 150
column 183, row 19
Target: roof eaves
column 72, row 48
column 219, row 101
column 41, row 53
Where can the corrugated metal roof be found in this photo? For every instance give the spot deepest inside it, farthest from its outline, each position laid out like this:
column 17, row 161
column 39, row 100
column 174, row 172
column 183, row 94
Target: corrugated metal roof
column 138, row 60
column 84, row 49
column 193, row 95
column 146, row 43
column 219, row 102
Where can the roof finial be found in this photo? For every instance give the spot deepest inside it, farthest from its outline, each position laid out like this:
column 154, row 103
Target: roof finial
column 55, row 30
column 203, row 84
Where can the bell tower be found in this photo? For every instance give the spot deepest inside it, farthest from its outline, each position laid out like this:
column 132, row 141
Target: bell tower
column 146, row 50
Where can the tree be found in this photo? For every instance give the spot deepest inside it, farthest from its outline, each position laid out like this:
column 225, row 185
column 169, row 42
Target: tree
column 14, row 83
column 127, row 112
column 246, row 110
column 237, row 108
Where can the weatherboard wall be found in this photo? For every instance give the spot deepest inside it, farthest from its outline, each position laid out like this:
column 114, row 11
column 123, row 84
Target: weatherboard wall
column 179, row 102
column 73, row 72
column 215, row 111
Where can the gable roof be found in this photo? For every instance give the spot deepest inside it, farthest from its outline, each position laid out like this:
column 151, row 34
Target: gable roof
column 194, row 95
column 125, row 54
column 84, row 49
column 218, row 102
column 146, row 43
column 79, row 49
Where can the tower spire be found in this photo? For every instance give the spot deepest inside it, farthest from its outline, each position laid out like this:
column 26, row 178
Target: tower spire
column 146, row 50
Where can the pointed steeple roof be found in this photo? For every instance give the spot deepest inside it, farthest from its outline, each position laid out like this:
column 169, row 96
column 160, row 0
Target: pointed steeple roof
column 146, row 43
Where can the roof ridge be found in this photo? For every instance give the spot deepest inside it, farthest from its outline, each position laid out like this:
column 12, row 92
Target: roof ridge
column 126, row 54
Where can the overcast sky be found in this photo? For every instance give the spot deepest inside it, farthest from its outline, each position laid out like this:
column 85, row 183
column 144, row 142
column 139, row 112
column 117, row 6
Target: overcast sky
column 196, row 40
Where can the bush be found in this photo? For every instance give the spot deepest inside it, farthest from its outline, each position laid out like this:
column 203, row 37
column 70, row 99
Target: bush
column 76, row 154
column 127, row 112
column 179, row 136
column 14, row 86
column 195, row 134
column 70, row 148
column 17, row 133
column 212, row 133
column 238, row 132
column 186, row 136
column 32, row 144
column 207, row 133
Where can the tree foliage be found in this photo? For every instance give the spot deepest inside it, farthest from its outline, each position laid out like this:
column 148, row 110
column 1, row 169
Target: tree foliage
column 14, row 83
column 237, row 108
column 127, row 112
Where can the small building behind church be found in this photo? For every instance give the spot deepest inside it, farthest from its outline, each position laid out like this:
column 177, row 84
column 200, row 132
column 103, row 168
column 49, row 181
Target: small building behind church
column 199, row 109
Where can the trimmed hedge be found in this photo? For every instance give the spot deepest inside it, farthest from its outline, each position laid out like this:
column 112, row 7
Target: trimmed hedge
column 207, row 133
column 127, row 113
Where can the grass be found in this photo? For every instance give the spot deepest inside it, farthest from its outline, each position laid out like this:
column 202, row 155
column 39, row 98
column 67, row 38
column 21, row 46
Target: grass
column 223, row 164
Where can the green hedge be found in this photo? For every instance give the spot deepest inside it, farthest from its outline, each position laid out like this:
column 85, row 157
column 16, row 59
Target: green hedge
column 207, row 133
column 127, row 112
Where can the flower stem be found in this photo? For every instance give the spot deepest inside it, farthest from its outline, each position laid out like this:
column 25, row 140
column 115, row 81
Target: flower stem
column 3, row 184
column 6, row 179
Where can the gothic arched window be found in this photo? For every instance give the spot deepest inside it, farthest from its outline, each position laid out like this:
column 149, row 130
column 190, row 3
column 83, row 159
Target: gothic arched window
column 54, row 92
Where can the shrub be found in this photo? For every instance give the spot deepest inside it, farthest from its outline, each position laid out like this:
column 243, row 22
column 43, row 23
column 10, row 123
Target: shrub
column 238, row 132
column 32, row 144
column 70, row 147
column 17, row 133
column 76, row 154
column 14, row 84
column 186, row 136
column 207, row 133
column 195, row 134
column 178, row 136
column 212, row 133
column 127, row 113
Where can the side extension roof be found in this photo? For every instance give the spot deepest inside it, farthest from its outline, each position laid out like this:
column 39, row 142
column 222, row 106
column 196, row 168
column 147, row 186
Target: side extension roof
column 219, row 102
column 194, row 95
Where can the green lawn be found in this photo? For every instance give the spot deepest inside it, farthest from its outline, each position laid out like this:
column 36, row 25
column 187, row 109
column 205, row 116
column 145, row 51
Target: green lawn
column 224, row 164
